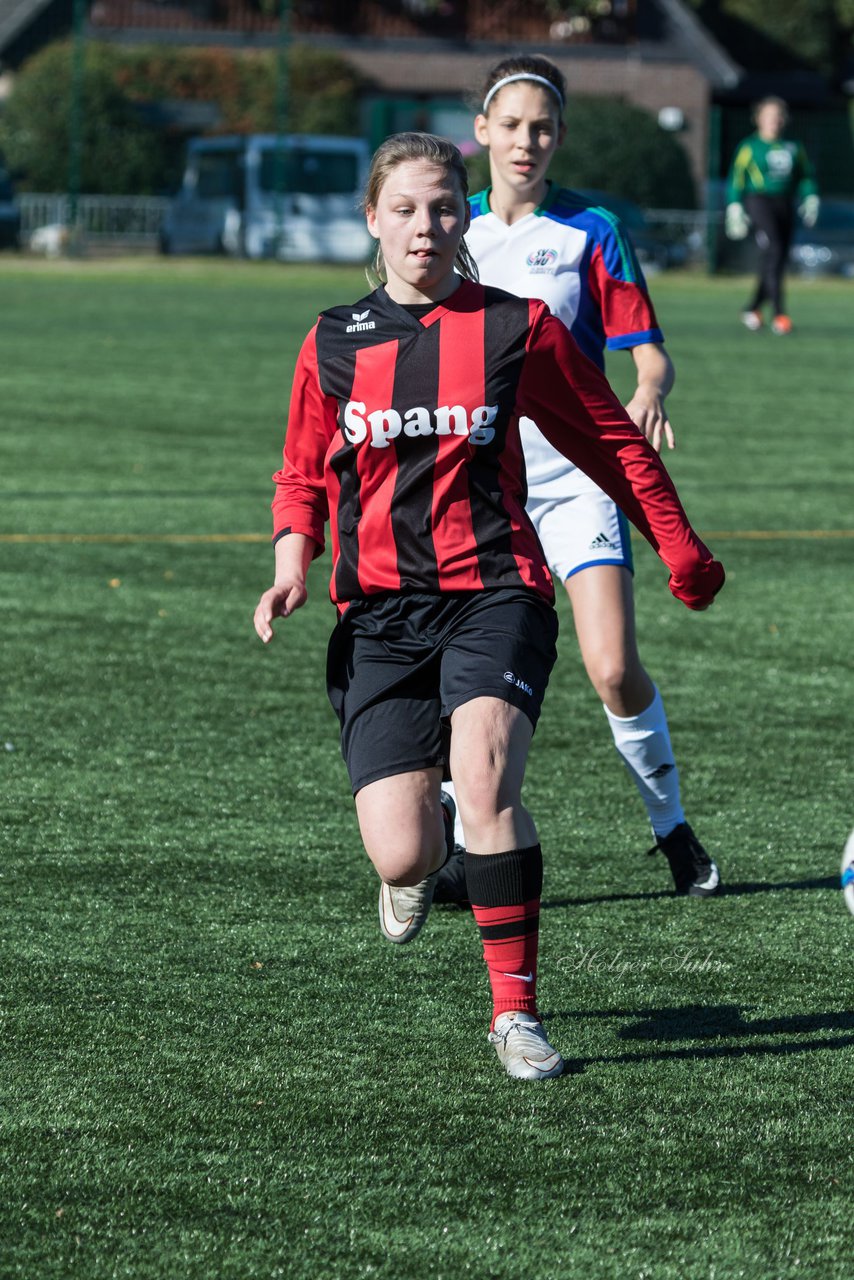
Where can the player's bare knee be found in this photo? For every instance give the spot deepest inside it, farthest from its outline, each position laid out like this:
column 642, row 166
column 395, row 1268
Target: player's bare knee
column 406, row 877
column 611, row 679
column 485, row 809
column 477, row 795
column 405, row 865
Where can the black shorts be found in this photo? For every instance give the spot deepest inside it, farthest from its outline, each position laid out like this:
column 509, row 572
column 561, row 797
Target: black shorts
column 399, row 665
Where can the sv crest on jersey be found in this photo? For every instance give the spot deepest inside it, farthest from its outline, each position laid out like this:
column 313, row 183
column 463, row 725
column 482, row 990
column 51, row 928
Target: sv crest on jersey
column 542, row 261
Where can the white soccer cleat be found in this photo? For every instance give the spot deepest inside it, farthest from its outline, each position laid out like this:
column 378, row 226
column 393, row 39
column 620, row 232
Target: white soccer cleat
column 521, row 1044
column 404, row 910
column 848, row 874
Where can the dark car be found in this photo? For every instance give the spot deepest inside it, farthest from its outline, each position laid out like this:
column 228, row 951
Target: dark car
column 10, row 213
column 828, row 247
column 655, row 249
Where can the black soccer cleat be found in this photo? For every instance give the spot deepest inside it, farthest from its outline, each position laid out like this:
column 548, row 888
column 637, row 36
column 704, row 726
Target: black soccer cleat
column 694, row 873
column 451, row 890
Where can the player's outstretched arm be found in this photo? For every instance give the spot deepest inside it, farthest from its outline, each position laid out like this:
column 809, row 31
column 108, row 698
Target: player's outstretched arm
column 577, row 411
column 656, row 376
column 294, row 554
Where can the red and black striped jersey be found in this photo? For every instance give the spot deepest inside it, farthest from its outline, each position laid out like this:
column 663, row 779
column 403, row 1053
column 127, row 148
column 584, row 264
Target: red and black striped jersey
column 403, row 432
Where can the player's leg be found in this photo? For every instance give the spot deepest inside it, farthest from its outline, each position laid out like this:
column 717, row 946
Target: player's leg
column 504, row 873
column 409, row 805
column 383, row 682
column 782, row 239
column 586, row 541
column 494, row 674
column 761, row 216
column 603, row 611
column 489, row 747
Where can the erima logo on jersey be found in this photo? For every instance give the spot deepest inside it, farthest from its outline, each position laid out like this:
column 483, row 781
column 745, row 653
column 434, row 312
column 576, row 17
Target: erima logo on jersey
column 361, row 322
column 541, row 261
column 383, row 425
column 513, row 679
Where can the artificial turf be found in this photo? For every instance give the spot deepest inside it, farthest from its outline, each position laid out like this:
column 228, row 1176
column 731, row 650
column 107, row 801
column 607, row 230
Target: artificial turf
column 213, row 1066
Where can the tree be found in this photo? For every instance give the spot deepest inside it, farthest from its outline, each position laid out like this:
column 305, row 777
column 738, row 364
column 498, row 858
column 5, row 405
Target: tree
column 119, row 152
column 784, row 35
column 126, row 146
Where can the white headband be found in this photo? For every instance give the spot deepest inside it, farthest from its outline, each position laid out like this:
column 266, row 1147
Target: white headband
column 522, row 75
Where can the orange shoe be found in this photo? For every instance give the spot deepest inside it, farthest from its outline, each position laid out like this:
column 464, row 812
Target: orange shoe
column 781, row 325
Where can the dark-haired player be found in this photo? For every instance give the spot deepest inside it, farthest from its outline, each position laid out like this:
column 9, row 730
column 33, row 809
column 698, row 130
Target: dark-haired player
column 535, row 239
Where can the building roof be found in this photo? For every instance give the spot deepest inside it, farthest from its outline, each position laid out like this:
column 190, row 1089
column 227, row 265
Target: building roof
column 16, row 15
column 27, row 25
column 666, row 30
column 681, row 34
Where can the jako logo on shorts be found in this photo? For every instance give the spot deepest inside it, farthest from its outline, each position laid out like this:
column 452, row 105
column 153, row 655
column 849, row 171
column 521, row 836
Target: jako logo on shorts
column 513, row 679
column 447, row 420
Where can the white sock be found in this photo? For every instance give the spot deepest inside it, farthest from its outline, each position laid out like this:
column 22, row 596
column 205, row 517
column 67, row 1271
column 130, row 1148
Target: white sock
column 643, row 741
column 459, row 838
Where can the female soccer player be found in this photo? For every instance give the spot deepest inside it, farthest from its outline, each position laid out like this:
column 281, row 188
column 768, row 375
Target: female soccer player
column 537, row 240
column 403, row 432
column 769, row 175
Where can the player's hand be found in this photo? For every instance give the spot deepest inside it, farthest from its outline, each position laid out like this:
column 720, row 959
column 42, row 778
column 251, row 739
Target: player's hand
column 697, row 585
column 809, row 210
column 736, row 221
column 646, row 410
column 279, row 601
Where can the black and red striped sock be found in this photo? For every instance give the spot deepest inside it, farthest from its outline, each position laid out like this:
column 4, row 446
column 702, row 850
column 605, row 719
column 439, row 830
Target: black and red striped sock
column 504, row 890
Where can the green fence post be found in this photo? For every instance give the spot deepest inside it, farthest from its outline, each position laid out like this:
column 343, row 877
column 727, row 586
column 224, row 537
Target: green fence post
column 281, row 121
column 714, row 165
column 75, row 120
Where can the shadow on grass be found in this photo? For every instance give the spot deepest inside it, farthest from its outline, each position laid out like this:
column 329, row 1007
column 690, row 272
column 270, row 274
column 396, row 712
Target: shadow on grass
column 691, row 1022
column 727, row 891
column 688, row 1021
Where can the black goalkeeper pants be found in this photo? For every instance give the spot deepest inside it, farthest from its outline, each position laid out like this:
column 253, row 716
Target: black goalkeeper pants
column 773, row 221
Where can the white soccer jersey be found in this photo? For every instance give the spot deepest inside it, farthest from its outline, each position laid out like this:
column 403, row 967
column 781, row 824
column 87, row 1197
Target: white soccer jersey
column 578, row 259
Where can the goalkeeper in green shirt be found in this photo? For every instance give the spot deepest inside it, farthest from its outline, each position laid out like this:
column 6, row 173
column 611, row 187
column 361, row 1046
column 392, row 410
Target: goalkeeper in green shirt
column 770, row 176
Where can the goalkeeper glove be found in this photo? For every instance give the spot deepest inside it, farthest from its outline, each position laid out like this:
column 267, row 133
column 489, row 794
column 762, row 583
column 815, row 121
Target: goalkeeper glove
column 736, row 221
column 809, row 210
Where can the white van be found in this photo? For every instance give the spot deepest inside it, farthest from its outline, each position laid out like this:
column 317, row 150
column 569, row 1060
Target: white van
column 294, row 197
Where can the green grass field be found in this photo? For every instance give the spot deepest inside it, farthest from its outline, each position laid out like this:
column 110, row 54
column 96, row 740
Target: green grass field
column 213, row 1066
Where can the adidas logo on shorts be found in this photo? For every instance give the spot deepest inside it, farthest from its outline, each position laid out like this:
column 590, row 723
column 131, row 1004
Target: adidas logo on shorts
column 603, row 543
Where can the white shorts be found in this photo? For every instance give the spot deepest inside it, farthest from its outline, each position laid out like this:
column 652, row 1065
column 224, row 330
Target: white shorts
column 581, row 529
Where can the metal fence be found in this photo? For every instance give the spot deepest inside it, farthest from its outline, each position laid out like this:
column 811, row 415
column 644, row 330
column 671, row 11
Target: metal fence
column 132, row 222
column 694, row 232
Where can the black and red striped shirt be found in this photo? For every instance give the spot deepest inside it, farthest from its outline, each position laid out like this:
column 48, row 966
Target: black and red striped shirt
column 403, row 432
